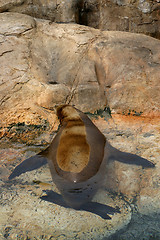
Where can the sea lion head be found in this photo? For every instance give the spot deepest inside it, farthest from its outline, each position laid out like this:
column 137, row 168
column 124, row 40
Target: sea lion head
column 67, row 113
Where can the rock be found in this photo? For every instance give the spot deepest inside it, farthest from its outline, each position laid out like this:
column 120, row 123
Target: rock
column 140, row 16
column 28, row 216
column 133, row 189
column 25, row 215
column 127, row 133
column 58, row 11
column 139, row 187
column 44, row 64
column 148, row 203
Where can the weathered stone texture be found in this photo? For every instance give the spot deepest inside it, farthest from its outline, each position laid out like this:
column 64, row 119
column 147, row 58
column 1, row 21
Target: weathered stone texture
column 133, row 189
column 139, row 16
column 44, row 64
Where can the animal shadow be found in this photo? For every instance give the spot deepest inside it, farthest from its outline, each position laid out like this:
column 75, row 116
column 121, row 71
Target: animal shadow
column 99, row 209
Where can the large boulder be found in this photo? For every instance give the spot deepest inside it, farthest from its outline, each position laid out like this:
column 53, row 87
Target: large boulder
column 140, row 16
column 54, row 10
column 44, row 64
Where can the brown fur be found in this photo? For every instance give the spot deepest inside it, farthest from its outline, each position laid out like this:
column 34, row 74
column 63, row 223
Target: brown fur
column 73, row 150
column 66, row 113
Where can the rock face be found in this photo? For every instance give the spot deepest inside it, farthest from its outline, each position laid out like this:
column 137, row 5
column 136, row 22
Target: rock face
column 140, row 16
column 44, row 64
column 54, row 10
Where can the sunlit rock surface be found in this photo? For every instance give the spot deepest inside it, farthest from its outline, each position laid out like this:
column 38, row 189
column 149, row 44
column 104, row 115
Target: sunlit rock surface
column 44, row 64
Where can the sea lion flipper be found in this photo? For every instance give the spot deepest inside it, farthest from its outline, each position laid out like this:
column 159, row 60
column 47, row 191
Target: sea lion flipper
column 29, row 164
column 130, row 158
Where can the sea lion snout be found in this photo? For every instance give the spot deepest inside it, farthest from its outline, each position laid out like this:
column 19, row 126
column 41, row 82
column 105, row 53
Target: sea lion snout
column 67, row 113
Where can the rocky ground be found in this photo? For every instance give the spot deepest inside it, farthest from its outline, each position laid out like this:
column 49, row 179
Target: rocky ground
column 133, row 189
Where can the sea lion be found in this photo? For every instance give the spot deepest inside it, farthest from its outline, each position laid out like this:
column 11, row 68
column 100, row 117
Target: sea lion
column 77, row 158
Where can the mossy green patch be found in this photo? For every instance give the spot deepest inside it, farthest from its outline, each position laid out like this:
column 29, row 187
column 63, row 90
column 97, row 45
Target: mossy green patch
column 103, row 113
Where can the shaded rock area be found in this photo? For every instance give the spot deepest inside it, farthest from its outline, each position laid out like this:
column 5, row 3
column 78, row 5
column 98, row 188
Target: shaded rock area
column 133, row 189
column 54, row 10
column 139, row 16
column 44, row 64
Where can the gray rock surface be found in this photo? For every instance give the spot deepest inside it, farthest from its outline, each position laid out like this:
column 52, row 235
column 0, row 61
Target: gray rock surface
column 139, row 16
column 54, row 10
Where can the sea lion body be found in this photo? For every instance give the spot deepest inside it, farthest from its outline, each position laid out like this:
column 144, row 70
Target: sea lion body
column 77, row 157
column 76, row 194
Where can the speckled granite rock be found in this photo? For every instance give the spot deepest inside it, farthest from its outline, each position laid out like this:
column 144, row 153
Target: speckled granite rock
column 26, row 215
